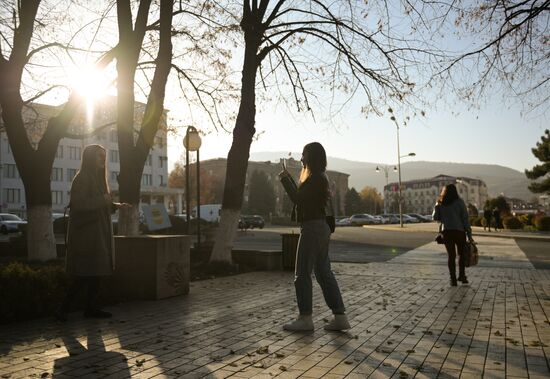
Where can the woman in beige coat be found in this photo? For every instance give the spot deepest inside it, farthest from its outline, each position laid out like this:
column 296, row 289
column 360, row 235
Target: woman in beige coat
column 90, row 244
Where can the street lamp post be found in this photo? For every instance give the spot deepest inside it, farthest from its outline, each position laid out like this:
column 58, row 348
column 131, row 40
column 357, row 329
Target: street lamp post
column 385, row 169
column 399, row 169
column 192, row 142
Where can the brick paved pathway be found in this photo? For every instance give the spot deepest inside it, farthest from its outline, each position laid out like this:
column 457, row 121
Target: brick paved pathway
column 407, row 322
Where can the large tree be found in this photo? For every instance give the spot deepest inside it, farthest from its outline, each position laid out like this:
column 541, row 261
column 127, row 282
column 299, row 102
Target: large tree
column 261, row 195
column 354, row 203
column 506, row 52
column 310, row 47
column 135, row 145
column 25, row 30
column 541, row 172
column 372, row 201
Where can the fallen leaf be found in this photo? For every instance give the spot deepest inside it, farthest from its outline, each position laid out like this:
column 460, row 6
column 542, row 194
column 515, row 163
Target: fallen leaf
column 282, row 368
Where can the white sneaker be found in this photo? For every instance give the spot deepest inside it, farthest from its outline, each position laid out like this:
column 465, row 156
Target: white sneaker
column 302, row 323
column 340, row 322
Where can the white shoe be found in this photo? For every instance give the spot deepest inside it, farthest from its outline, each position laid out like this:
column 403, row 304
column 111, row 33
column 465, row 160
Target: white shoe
column 340, row 322
column 302, row 323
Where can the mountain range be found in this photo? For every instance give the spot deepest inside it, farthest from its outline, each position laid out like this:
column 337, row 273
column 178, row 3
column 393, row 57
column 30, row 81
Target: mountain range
column 499, row 179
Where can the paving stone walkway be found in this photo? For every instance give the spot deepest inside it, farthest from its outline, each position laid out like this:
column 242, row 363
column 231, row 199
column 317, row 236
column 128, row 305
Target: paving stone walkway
column 406, row 322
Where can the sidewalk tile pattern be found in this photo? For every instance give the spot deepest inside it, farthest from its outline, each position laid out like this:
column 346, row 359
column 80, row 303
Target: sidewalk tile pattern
column 406, row 322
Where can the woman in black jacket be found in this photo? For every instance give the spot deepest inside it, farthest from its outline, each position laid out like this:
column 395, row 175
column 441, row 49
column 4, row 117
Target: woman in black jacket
column 311, row 198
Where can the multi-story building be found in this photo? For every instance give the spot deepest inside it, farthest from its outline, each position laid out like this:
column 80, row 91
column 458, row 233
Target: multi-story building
column 420, row 196
column 67, row 161
column 338, row 180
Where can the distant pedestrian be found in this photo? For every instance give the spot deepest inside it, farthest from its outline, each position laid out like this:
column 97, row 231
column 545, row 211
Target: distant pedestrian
column 487, row 215
column 310, row 198
column 90, row 245
column 451, row 211
column 496, row 216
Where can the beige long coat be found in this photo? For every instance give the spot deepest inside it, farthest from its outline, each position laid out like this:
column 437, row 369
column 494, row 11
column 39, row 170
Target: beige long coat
column 90, row 250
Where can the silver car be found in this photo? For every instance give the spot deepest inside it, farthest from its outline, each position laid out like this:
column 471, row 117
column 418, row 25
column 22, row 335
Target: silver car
column 10, row 223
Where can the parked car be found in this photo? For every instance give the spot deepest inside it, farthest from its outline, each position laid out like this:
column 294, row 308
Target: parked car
column 407, row 219
column 379, row 218
column 209, row 212
column 419, row 217
column 362, row 219
column 429, row 217
column 10, row 223
column 183, row 216
column 343, row 221
column 251, row 222
column 390, row 218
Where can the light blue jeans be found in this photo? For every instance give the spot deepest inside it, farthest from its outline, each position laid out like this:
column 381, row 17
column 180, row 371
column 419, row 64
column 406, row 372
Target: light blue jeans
column 312, row 255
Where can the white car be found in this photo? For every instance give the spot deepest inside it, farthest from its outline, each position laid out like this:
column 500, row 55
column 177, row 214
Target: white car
column 362, row 219
column 10, row 223
column 343, row 222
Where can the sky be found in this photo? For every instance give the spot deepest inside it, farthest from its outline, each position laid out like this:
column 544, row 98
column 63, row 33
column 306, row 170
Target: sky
column 493, row 134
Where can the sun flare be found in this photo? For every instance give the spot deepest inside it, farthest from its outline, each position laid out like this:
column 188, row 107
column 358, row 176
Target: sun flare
column 91, row 84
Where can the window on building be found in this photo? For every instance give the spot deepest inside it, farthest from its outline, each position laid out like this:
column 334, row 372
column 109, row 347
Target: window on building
column 162, row 161
column 59, row 152
column 71, row 172
column 74, row 153
column 113, row 156
column 57, row 197
column 57, row 174
column 161, row 181
column 12, row 195
column 147, row 180
column 114, row 176
column 10, row 171
column 149, row 160
column 113, row 136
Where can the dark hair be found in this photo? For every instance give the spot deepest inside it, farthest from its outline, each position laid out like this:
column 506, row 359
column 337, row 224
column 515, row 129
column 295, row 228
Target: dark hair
column 314, row 157
column 448, row 195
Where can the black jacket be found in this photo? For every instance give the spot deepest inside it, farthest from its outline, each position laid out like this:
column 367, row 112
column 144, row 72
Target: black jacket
column 310, row 198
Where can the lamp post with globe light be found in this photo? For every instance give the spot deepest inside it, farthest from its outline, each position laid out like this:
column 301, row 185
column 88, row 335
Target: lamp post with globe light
column 192, row 142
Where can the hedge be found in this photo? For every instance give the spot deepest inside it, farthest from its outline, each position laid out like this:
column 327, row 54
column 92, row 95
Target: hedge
column 29, row 292
column 543, row 223
column 512, row 223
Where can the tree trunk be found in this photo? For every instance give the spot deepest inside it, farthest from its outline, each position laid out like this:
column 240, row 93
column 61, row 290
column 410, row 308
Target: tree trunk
column 237, row 159
column 41, row 244
column 129, row 192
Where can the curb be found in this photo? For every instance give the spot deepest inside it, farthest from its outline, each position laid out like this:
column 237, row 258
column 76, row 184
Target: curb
column 534, row 237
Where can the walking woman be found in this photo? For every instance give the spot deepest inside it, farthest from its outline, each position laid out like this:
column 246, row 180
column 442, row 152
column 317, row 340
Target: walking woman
column 311, row 197
column 90, row 246
column 451, row 211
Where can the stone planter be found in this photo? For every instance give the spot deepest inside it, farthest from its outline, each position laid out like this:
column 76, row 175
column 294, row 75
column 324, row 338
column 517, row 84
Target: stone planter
column 151, row 267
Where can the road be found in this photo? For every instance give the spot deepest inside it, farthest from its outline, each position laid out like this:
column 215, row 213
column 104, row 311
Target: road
column 363, row 245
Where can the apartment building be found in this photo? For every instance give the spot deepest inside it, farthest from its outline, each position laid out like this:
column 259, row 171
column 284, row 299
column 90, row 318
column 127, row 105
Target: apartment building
column 420, row 196
column 67, row 161
column 338, row 180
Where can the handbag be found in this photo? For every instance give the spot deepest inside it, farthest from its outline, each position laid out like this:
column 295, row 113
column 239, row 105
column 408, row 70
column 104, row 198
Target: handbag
column 471, row 254
column 439, row 238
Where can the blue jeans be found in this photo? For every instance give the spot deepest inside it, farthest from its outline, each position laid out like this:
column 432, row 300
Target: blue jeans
column 312, row 255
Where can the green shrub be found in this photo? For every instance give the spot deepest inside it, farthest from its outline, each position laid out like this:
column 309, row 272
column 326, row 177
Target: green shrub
column 30, row 292
column 526, row 219
column 512, row 223
column 543, row 223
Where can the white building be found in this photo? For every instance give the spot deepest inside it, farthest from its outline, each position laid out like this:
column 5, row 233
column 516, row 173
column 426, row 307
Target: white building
column 420, row 196
column 67, row 162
